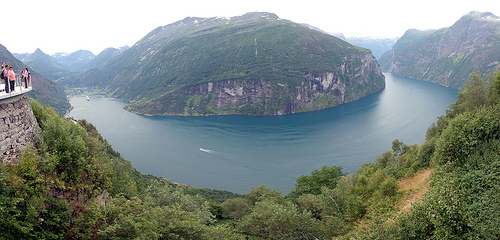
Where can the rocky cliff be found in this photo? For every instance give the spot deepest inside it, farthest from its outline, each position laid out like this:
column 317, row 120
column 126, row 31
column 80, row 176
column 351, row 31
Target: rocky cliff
column 448, row 56
column 261, row 97
column 255, row 64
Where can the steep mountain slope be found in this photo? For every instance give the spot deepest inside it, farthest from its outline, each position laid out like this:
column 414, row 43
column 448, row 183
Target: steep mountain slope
column 104, row 57
column 447, row 56
column 48, row 92
column 45, row 64
column 75, row 61
column 255, row 64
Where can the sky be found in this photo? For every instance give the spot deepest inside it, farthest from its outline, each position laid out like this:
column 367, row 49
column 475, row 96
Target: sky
column 72, row 25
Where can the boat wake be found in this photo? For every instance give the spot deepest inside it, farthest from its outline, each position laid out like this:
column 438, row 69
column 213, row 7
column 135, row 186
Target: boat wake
column 233, row 161
column 206, row 150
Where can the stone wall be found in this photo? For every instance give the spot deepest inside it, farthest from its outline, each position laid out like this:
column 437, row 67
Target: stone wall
column 18, row 127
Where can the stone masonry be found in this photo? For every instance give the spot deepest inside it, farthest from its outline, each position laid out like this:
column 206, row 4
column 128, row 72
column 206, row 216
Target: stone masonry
column 18, row 127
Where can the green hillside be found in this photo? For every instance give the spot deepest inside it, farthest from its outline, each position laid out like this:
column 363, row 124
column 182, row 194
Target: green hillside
column 447, row 56
column 274, row 59
column 72, row 185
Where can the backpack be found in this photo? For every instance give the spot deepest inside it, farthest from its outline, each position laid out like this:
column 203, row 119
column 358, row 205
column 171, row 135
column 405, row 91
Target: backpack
column 2, row 76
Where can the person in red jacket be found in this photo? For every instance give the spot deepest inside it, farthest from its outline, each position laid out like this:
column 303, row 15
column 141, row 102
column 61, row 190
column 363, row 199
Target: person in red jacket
column 12, row 78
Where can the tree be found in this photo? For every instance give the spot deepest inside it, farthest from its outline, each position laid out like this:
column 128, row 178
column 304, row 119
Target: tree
column 399, row 148
column 494, row 88
column 312, row 184
column 473, row 96
column 278, row 221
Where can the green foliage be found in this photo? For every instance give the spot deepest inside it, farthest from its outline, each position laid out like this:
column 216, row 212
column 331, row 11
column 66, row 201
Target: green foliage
column 263, row 192
column 278, row 221
column 399, row 148
column 462, row 202
column 494, row 89
column 465, row 132
column 471, row 97
column 312, row 184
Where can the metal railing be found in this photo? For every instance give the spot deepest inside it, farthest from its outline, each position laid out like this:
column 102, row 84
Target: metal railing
column 19, row 87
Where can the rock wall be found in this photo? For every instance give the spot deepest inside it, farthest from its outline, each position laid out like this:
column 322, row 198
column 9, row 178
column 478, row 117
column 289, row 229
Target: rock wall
column 357, row 76
column 18, row 127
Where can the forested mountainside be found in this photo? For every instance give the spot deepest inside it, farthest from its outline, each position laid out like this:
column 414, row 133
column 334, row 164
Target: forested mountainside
column 45, row 64
column 447, row 56
column 45, row 90
column 255, row 64
column 72, row 185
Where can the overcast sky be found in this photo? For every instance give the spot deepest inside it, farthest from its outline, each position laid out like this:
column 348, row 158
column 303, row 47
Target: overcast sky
column 71, row 25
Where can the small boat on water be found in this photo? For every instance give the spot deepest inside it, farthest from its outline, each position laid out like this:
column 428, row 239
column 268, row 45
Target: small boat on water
column 87, row 97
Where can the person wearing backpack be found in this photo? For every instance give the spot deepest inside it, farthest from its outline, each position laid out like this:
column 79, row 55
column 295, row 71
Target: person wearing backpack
column 5, row 74
column 1, row 75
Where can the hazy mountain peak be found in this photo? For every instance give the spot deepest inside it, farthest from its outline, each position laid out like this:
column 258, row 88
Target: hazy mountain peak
column 484, row 16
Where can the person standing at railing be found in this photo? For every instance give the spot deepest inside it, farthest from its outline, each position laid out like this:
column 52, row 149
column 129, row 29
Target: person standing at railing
column 5, row 73
column 1, row 75
column 12, row 78
column 25, row 74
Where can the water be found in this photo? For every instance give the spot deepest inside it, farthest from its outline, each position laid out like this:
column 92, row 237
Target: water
column 237, row 153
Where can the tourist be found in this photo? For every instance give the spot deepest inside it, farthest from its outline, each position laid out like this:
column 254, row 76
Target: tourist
column 1, row 78
column 25, row 74
column 5, row 71
column 12, row 78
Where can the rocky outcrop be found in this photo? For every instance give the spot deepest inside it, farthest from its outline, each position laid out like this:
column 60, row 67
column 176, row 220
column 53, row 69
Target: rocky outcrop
column 18, row 127
column 359, row 75
column 448, row 56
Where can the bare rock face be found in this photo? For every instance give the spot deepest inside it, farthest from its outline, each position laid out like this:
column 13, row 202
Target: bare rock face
column 359, row 75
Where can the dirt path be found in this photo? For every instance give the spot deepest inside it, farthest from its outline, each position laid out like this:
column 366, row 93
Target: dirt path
column 414, row 187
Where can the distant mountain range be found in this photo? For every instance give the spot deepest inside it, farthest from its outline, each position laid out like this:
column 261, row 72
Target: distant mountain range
column 449, row 55
column 255, row 64
column 61, row 65
column 378, row 46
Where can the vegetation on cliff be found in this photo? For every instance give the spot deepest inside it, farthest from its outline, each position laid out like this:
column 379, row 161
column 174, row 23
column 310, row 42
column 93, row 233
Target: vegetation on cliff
column 254, row 64
column 72, row 185
column 447, row 56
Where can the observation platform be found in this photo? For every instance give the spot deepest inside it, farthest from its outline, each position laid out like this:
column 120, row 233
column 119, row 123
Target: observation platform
column 19, row 89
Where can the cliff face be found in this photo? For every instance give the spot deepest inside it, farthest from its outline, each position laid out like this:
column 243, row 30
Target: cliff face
column 448, row 56
column 259, row 97
column 255, row 64
column 18, row 127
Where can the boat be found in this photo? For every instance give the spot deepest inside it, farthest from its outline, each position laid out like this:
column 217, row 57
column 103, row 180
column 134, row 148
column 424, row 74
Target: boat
column 87, row 97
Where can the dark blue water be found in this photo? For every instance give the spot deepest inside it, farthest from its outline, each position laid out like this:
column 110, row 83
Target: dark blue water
column 236, row 153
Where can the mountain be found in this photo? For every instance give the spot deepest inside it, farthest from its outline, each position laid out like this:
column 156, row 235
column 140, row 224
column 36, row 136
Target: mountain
column 48, row 92
column 378, row 46
column 254, row 64
column 338, row 35
column 104, row 57
column 45, row 64
column 449, row 55
column 20, row 56
column 75, row 61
